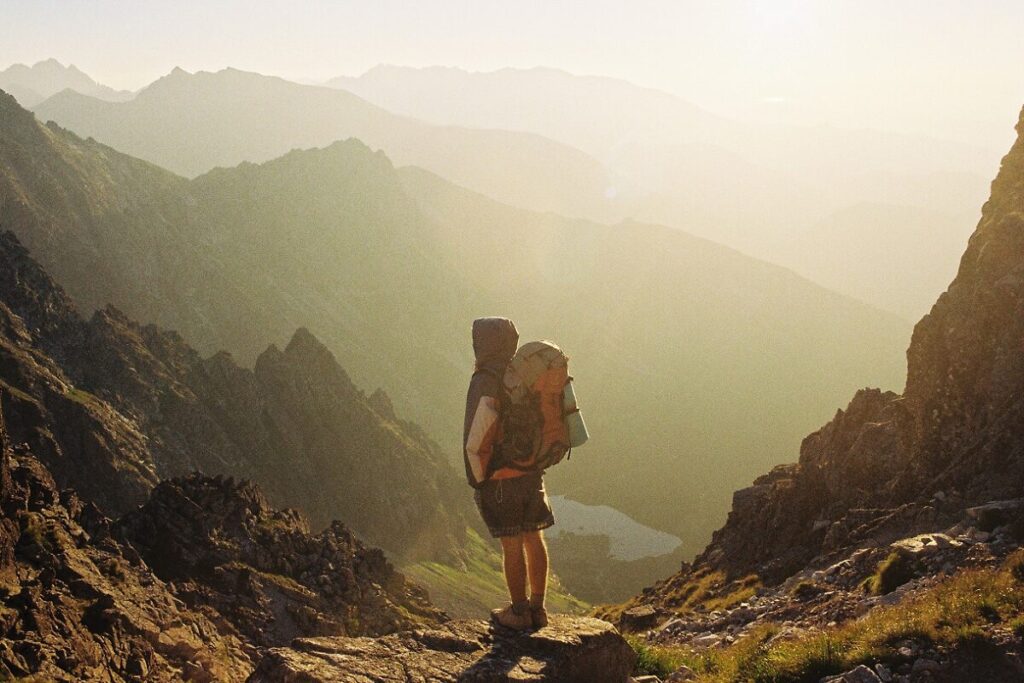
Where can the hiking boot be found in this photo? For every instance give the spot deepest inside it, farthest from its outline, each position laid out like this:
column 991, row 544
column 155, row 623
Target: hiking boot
column 539, row 617
column 509, row 619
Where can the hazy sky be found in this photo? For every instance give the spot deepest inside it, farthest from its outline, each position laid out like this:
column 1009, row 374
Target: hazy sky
column 935, row 66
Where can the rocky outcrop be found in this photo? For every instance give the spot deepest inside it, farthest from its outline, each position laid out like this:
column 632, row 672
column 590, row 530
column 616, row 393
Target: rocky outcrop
column 111, row 406
column 224, row 547
column 77, row 605
column 568, row 650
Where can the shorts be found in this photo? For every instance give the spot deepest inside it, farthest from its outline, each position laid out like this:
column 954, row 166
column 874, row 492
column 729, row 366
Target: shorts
column 513, row 506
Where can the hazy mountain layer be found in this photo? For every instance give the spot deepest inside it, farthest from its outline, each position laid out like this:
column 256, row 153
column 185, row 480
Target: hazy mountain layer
column 33, row 84
column 768, row 190
column 621, row 151
column 911, row 245
column 191, row 123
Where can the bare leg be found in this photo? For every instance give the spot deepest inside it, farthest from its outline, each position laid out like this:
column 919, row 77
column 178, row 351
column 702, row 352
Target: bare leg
column 537, row 566
column 515, row 567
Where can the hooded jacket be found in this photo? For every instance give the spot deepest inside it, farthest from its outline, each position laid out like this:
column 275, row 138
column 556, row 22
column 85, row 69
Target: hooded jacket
column 494, row 343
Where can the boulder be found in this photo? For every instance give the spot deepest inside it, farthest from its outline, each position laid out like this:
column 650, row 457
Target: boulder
column 996, row 513
column 568, row 650
column 640, row 618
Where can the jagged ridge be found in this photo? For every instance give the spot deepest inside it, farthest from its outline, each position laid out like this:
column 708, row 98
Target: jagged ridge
column 296, row 423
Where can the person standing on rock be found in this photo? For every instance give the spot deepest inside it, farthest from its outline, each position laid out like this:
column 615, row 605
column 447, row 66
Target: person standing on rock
column 512, row 502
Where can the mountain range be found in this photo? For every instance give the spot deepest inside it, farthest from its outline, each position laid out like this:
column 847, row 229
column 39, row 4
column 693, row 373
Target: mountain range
column 673, row 337
column 33, row 84
column 760, row 188
column 591, row 147
column 192, row 123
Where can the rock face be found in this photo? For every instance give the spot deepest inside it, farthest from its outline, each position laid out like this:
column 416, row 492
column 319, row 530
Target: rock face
column 111, row 406
column 77, row 605
column 84, row 442
column 224, row 547
column 568, row 650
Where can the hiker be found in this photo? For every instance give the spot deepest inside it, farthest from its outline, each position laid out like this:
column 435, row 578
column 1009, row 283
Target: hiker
column 512, row 502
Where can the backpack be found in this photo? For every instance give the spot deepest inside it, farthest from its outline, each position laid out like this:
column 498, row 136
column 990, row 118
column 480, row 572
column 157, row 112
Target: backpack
column 538, row 409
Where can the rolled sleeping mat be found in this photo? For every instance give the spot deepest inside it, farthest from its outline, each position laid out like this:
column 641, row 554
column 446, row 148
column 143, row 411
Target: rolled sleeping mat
column 574, row 423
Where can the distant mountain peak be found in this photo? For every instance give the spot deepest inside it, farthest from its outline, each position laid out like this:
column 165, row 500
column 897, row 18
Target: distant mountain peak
column 44, row 79
column 304, row 340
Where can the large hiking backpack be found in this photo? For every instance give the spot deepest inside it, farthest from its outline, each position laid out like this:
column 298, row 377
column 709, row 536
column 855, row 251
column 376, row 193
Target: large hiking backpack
column 538, row 399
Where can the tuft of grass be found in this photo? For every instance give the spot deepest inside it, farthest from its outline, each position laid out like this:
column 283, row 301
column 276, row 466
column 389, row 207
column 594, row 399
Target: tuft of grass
column 732, row 594
column 1017, row 626
column 36, row 534
column 82, row 397
column 892, row 572
column 1015, row 565
column 661, row 660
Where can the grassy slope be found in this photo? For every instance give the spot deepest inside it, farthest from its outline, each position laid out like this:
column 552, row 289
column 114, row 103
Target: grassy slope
column 473, row 591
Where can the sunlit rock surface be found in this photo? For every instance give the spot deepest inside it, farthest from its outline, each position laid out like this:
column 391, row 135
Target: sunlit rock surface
column 568, row 650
